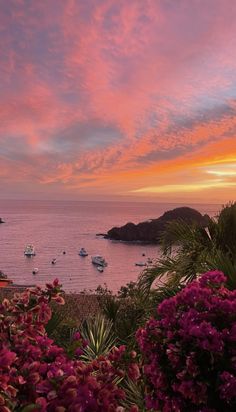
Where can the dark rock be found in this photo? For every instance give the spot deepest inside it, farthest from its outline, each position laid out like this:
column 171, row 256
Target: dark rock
column 150, row 230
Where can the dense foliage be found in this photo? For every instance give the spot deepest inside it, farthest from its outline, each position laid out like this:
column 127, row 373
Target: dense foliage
column 37, row 375
column 186, row 363
column 189, row 351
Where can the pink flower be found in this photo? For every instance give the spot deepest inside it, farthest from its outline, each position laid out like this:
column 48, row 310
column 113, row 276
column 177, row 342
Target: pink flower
column 45, row 313
column 51, row 395
column 228, row 387
column 77, row 336
column 133, row 354
column 55, row 282
column 133, row 371
column 59, row 299
column 34, row 378
column 212, row 279
column 79, row 352
column 134, row 408
column 185, row 347
column 43, row 404
column 6, row 358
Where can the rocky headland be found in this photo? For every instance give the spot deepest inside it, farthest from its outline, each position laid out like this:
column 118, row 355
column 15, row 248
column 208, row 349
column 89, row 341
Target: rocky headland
column 150, row 230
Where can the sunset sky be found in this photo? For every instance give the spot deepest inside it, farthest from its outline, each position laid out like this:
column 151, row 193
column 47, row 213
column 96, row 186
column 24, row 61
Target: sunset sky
column 118, row 99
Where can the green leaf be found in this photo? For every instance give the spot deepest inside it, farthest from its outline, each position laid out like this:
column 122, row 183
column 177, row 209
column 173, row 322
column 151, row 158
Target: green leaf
column 31, row 407
column 98, row 332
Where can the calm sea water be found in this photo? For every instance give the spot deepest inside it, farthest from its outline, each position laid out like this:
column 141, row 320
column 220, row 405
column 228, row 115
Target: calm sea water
column 57, row 226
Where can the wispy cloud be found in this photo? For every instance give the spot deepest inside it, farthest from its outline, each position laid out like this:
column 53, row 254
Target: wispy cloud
column 113, row 97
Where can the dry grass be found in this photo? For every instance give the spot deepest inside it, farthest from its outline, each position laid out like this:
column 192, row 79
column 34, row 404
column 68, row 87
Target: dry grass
column 77, row 306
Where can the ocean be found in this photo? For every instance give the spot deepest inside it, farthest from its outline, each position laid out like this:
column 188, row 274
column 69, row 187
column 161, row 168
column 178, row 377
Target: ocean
column 57, row 226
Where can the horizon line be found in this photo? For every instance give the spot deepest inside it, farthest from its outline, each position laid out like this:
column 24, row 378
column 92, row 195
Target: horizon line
column 114, row 200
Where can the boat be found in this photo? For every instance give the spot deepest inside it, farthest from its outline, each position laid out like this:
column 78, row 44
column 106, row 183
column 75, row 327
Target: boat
column 4, row 281
column 53, row 261
column 100, row 268
column 83, row 252
column 35, row 271
column 99, row 261
column 140, row 264
column 29, row 250
column 2, row 220
column 149, row 261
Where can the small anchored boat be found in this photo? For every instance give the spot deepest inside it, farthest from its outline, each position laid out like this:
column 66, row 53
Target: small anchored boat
column 35, row 271
column 53, row 261
column 99, row 261
column 140, row 264
column 29, row 251
column 83, row 252
column 2, row 220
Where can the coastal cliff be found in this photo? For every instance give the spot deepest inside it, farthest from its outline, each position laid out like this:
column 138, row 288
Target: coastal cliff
column 150, row 231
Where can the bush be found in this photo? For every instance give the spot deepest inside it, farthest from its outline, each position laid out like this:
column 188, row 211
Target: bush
column 189, row 351
column 37, row 375
column 187, row 361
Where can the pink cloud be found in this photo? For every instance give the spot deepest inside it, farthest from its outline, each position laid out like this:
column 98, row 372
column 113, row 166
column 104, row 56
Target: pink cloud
column 159, row 75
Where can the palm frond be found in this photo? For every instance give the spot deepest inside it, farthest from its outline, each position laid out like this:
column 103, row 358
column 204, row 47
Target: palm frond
column 110, row 307
column 129, row 318
column 226, row 234
column 221, row 261
column 164, row 291
column 98, row 332
column 161, row 268
column 134, row 394
column 183, row 235
column 182, row 268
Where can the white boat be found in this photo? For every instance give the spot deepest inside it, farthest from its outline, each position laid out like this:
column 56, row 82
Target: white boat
column 2, row 220
column 140, row 264
column 100, row 268
column 53, row 261
column 35, row 271
column 99, row 261
column 83, row 252
column 29, row 251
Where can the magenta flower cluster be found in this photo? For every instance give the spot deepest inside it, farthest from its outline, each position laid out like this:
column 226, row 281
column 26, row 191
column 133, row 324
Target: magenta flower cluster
column 37, row 375
column 189, row 349
column 188, row 356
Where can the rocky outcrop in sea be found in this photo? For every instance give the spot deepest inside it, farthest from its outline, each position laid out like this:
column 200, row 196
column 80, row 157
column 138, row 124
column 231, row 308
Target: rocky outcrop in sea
column 150, row 231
